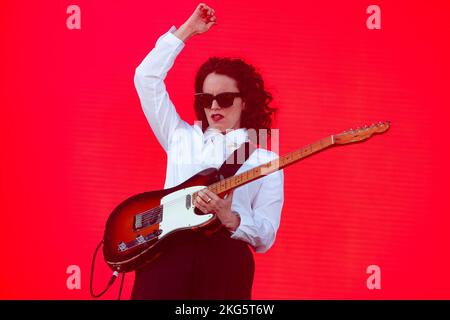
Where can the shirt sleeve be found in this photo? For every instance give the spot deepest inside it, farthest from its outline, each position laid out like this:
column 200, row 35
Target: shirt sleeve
column 149, row 81
column 260, row 222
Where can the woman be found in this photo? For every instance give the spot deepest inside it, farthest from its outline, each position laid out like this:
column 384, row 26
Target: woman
column 230, row 99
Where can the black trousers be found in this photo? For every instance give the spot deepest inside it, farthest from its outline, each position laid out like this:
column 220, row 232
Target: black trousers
column 198, row 266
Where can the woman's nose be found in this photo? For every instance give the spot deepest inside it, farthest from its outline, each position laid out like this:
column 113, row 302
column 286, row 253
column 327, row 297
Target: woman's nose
column 215, row 105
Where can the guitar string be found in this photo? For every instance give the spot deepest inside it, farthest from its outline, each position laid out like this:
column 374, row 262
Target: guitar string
column 150, row 212
column 154, row 212
column 157, row 211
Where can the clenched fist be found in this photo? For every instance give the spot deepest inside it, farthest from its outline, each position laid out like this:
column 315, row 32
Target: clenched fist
column 199, row 22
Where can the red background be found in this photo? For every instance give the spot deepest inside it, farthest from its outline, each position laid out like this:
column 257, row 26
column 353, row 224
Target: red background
column 75, row 142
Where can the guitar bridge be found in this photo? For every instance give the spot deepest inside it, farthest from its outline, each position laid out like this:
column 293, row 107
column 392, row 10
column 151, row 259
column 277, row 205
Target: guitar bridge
column 124, row 246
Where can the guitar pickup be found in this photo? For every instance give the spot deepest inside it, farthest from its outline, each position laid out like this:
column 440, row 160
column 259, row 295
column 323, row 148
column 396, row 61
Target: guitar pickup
column 188, row 201
column 141, row 222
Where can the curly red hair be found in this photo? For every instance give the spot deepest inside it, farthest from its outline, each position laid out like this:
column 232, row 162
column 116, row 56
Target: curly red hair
column 257, row 113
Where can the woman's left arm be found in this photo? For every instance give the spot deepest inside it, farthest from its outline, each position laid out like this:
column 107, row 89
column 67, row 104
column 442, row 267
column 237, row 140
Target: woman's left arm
column 254, row 221
column 260, row 222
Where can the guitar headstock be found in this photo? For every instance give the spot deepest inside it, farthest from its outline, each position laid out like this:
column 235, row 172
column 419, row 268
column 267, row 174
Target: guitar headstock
column 361, row 133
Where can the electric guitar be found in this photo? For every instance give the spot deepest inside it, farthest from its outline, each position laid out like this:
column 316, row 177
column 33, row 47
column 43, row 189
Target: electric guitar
column 138, row 227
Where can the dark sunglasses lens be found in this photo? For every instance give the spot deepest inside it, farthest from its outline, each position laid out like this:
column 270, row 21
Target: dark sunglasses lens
column 204, row 100
column 225, row 100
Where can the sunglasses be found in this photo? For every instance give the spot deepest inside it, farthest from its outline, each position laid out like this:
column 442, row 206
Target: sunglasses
column 224, row 99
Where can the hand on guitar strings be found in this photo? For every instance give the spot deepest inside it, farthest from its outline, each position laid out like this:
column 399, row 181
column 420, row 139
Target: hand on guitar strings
column 208, row 202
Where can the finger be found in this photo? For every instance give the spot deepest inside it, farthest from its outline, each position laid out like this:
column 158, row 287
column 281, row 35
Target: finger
column 203, row 10
column 204, row 196
column 209, row 19
column 210, row 24
column 211, row 195
column 201, row 202
column 203, row 209
column 229, row 195
column 210, row 205
column 196, row 202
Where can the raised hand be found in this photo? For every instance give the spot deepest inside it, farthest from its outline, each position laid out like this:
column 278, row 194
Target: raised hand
column 199, row 22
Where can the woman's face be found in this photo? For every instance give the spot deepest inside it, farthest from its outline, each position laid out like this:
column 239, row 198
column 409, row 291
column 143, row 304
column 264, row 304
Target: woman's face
column 222, row 118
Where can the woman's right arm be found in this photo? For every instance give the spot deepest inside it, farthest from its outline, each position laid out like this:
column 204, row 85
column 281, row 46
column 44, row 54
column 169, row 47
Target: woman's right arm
column 149, row 81
column 150, row 74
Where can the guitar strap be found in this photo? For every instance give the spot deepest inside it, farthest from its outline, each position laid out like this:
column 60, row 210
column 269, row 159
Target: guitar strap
column 235, row 160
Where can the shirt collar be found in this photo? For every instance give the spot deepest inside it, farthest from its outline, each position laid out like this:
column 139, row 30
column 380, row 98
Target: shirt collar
column 238, row 135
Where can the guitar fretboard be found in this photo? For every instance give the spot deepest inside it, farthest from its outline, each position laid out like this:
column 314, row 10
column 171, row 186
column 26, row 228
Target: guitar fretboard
column 269, row 167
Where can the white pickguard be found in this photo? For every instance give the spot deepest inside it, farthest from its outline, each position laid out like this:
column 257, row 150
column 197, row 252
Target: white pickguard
column 175, row 213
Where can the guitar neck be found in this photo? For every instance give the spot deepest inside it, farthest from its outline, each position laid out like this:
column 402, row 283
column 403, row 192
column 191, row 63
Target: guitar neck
column 272, row 166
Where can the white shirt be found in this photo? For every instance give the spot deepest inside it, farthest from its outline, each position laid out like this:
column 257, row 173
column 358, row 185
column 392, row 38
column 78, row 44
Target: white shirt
column 190, row 150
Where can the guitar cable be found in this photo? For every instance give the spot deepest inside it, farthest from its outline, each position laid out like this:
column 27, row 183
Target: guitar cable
column 110, row 282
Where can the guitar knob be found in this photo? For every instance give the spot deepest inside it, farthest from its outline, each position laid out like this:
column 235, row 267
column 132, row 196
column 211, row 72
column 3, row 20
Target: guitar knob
column 122, row 246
